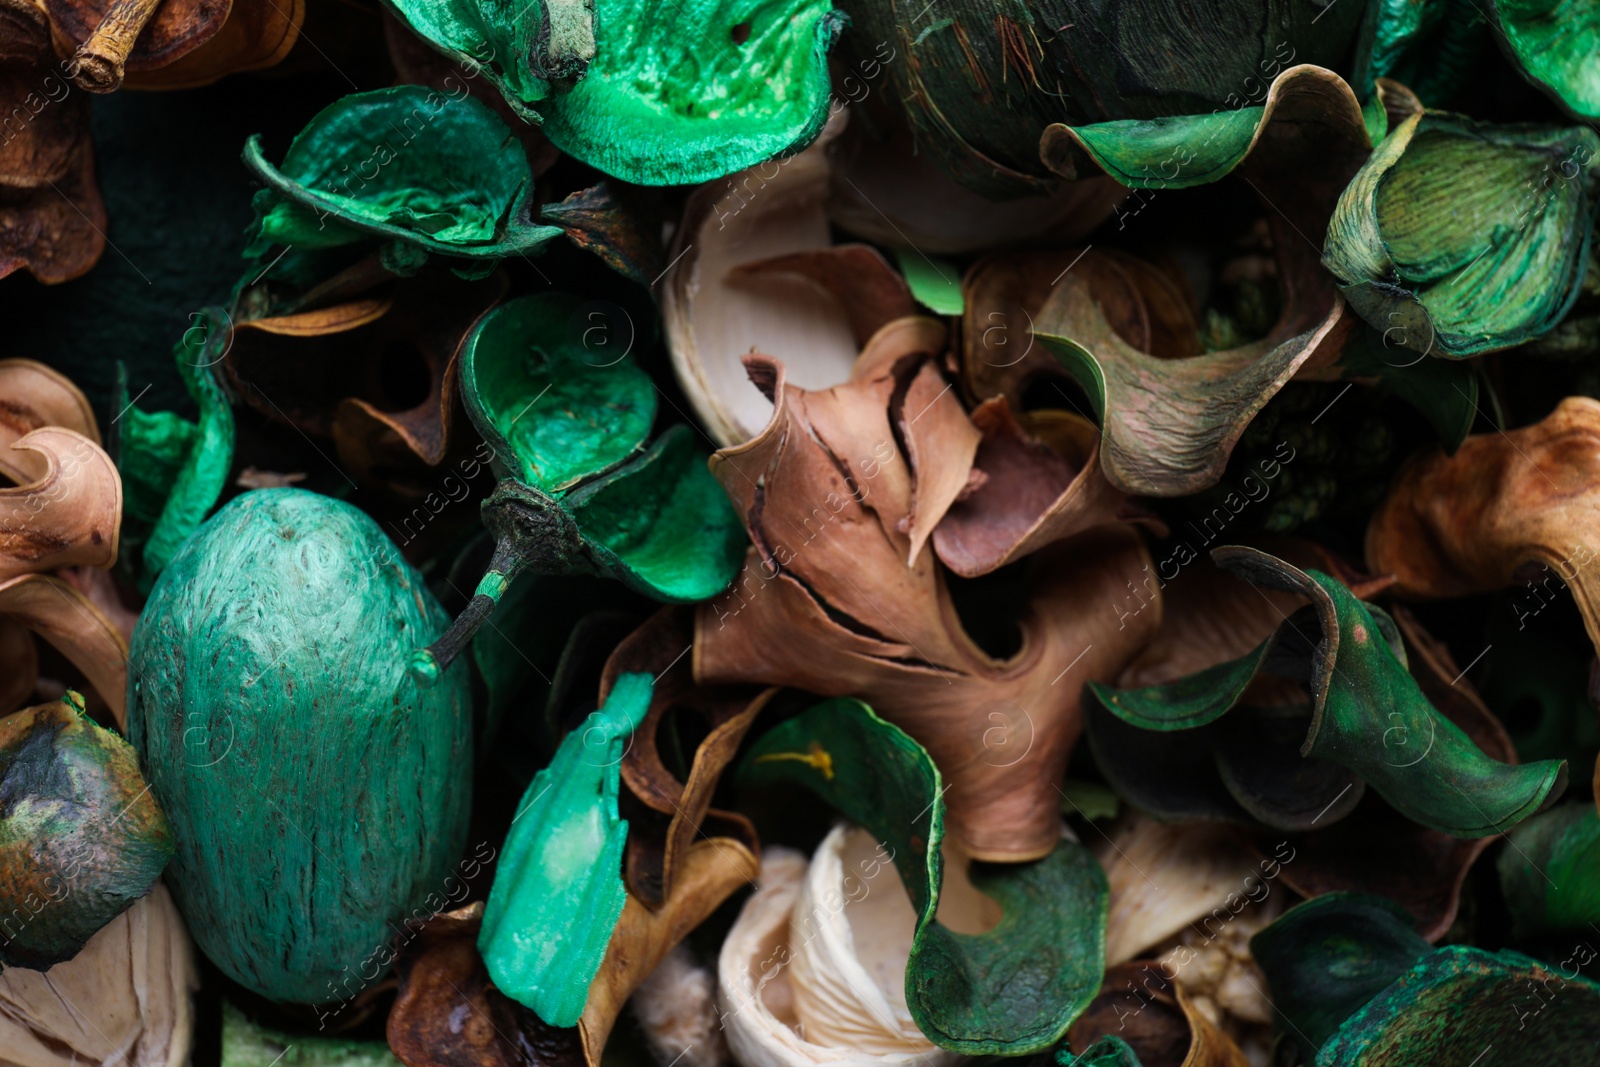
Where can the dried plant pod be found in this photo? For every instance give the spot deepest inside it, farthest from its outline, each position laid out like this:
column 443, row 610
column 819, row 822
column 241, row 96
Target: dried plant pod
column 256, row 35
column 37, row 396
column 123, row 999
column 68, row 620
column 83, row 838
column 751, row 269
column 1456, row 525
column 52, row 220
column 71, row 514
column 107, row 38
column 449, row 1014
column 1147, row 1008
column 841, row 612
column 802, row 982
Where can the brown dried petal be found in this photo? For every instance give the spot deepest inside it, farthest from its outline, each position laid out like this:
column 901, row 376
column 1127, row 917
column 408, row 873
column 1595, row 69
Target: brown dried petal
column 67, row 619
column 33, row 396
column 72, row 514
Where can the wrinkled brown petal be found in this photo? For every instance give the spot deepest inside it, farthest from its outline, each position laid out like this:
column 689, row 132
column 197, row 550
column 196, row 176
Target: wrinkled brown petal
column 33, row 396
column 170, row 28
column 256, row 35
column 70, row 515
column 57, row 228
column 1457, row 525
column 57, row 612
column 598, row 220
column 828, row 602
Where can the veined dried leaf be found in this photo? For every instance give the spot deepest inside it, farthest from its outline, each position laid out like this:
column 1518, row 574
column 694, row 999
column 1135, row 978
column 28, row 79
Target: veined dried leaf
column 70, row 514
column 123, row 1000
column 828, row 602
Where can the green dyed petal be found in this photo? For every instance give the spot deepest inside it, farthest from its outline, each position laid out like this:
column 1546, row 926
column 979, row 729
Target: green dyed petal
column 1369, row 714
column 1554, row 44
column 1174, row 152
column 81, row 838
column 1109, row 1051
column 203, row 452
column 1445, row 392
column 1432, row 46
column 1326, row 958
column 550, row 406
column 244, row 1044
column 1458, row 1002
column 558, row 891
column 521, row 46
column 1458, row 238
column 1551, row 875
column 674, row 97
column 935, row 283
column 406, row 163
column 663, row 523
column 1010, row 991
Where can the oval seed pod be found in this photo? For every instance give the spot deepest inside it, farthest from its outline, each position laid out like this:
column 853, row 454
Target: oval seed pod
column 316, row 794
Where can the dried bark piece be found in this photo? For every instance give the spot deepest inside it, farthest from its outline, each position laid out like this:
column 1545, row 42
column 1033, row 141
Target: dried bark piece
column 71, row 514
column 37, row 396
column 82, row 838
column 59, row 613
column 751, row 269
column 1463, row 524
column 124, row 999
column 828, row 602
column 1144, row 1006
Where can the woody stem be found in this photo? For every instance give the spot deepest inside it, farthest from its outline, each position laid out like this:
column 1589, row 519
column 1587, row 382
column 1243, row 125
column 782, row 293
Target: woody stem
column 98, row 62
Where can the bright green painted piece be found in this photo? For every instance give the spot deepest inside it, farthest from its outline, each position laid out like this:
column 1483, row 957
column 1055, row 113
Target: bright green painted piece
column 1459, row 1001
column 526, row 48
column 674, row 96
column 204, row 474
column 406, row 163
column 1458, row 238
column 1010, row 991
column 663, row 523
column 1108, row 1051
column 550, row 407
column 1554, row 43
column 1369, row 715
column 319, row 798
column 936, row 283
column 80, row 836
column 558, row 891
column 1326, row 958
column 1551, row 878
column 245, row 1044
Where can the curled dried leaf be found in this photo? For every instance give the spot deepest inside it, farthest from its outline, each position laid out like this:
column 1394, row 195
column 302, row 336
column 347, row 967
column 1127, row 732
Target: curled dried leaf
column 37, row 396
column 71, row 514
column 68, row 620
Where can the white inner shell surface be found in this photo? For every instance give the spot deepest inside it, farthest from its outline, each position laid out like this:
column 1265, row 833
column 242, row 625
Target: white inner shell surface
column 813, row 971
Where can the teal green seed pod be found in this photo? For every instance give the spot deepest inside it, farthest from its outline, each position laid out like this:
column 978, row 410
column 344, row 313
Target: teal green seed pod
column 318, row 797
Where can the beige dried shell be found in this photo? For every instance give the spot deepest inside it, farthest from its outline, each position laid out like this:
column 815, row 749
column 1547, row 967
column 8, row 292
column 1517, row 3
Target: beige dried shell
column 37, row 396
column 121, row 1002
column 70, row 514
column 813, row 970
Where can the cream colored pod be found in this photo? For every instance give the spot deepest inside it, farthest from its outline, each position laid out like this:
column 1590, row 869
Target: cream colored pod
column 813, row 971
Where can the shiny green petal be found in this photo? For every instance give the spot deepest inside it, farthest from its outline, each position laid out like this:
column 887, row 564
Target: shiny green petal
column 1554, row 44
column 558, row 890
column 1551, row 872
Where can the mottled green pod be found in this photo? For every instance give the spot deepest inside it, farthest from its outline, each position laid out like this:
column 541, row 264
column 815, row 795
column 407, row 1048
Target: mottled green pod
column 80, row 836
column 317, row 795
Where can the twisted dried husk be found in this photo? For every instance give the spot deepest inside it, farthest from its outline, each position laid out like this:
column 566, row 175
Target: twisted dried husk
column 123, row 1000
